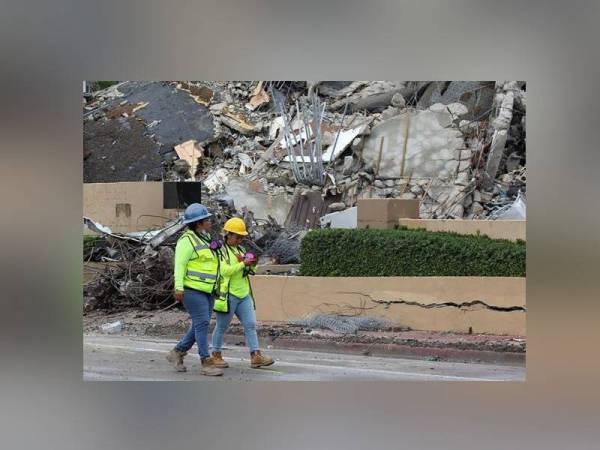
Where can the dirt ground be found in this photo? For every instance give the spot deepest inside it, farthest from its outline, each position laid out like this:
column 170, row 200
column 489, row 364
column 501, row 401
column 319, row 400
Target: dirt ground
column 119, row 150
column 426, row 344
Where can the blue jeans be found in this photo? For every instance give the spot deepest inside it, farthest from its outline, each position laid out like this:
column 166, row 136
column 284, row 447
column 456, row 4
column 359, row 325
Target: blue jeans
column 243, row 308
column 199, row 305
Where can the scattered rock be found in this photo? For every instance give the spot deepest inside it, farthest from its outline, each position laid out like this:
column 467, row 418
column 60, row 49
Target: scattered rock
column 398, row 100
column 336, row 207
column 348, row 163
column 476, row 208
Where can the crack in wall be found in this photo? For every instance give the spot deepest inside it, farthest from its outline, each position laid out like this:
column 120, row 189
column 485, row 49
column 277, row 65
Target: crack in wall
column 465, row 305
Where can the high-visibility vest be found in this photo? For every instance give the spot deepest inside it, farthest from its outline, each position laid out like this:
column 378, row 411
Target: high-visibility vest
column 240, row 287
column 201, row 273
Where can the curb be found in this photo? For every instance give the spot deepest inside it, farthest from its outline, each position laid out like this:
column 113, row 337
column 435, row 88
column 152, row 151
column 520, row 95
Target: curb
column 405, row 351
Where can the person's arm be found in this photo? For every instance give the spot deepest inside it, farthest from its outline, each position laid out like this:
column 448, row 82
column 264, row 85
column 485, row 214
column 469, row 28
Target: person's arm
column 231, row 268
column 183, row 253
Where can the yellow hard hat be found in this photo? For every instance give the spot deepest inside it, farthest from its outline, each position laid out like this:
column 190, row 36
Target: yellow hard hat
column 236, row 225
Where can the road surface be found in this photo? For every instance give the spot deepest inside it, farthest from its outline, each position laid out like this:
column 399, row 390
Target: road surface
column 112, row 357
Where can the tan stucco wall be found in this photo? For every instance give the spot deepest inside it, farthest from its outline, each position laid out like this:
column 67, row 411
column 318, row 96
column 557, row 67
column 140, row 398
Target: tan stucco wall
column 496, row 229
column 100, row 202
column 280, row 298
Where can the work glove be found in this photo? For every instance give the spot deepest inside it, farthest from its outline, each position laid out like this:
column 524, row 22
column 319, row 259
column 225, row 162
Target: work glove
column 216, row 244
column 249, row 259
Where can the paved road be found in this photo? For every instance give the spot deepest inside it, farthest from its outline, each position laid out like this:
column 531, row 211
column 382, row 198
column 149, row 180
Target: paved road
column 143, row 359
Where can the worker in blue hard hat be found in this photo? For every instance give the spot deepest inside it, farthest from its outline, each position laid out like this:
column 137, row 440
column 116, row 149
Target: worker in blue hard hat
column 197, row 266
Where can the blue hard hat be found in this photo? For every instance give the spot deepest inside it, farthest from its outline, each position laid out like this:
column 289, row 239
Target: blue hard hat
column 195, row 212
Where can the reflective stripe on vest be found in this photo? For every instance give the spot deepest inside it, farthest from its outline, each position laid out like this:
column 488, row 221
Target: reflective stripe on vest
column 204, row 273
column 201, row 275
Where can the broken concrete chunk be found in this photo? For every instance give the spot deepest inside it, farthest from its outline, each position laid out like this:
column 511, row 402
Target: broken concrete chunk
column 412, row 142
column 456, row 211
column 417, row 190
column 259, row 97
column 358, row 144
column 189, row 151
column 467, row 201
column 476, row 208
column 238, row 122
column 457, row 109
column 438, row 108
column 340, row 206
column 348, row 163
column 495, row 155
column 505, row 112
column 217, row 180
column 389, row 113
column 218, row 108
column 398, row 100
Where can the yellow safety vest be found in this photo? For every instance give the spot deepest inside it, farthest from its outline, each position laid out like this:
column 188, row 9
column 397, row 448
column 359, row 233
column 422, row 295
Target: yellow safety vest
column 202, row 273
column 238, row 284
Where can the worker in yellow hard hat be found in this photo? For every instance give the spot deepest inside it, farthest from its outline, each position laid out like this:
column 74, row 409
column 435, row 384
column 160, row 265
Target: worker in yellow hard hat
column 235, row 294
column 196, row 274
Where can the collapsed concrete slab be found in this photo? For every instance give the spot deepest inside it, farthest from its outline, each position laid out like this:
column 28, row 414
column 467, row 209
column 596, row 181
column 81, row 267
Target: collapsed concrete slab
column 421, row 143
column 253, row 196
column 341, row 219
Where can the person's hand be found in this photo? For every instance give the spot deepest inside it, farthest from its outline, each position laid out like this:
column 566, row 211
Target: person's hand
column 240, row 258
column 178, row 296
column 250, row 259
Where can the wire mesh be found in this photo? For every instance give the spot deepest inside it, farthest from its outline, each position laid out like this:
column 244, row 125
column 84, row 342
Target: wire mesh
column 343, row 324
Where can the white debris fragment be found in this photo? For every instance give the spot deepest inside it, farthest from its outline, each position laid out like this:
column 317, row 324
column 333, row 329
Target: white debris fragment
column 112, row 327
column 217, row 180
column 457, row 109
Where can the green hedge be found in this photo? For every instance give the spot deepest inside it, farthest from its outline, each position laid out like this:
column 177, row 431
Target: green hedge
column 403, row 252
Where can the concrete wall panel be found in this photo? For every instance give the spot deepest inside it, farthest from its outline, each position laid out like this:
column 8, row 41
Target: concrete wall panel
column 284, row 298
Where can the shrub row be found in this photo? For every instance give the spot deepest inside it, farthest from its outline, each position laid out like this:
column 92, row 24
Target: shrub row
column 403, row 252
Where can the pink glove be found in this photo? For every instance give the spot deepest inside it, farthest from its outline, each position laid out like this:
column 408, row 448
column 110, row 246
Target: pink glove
column 250, row 257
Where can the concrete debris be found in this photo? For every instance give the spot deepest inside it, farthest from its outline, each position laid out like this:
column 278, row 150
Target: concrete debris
column 141, row 270
column 238, row 122
column 112, row 328
column 341, row 219
column 336, row 206
column 259, row 97
column 189, row 152
column 217, row 180
column 438, row 142
column 398, row 101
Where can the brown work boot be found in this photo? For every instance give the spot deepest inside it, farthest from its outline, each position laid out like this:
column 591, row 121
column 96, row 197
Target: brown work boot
column 209, row 368
column 175, row 357
column 258, row 360
column 218, row 360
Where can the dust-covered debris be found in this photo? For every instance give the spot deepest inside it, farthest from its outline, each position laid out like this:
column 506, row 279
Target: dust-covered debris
column 457, row 146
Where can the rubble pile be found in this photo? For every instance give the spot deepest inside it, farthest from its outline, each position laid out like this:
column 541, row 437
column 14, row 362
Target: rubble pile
column 140, row 273
column 458, row 146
